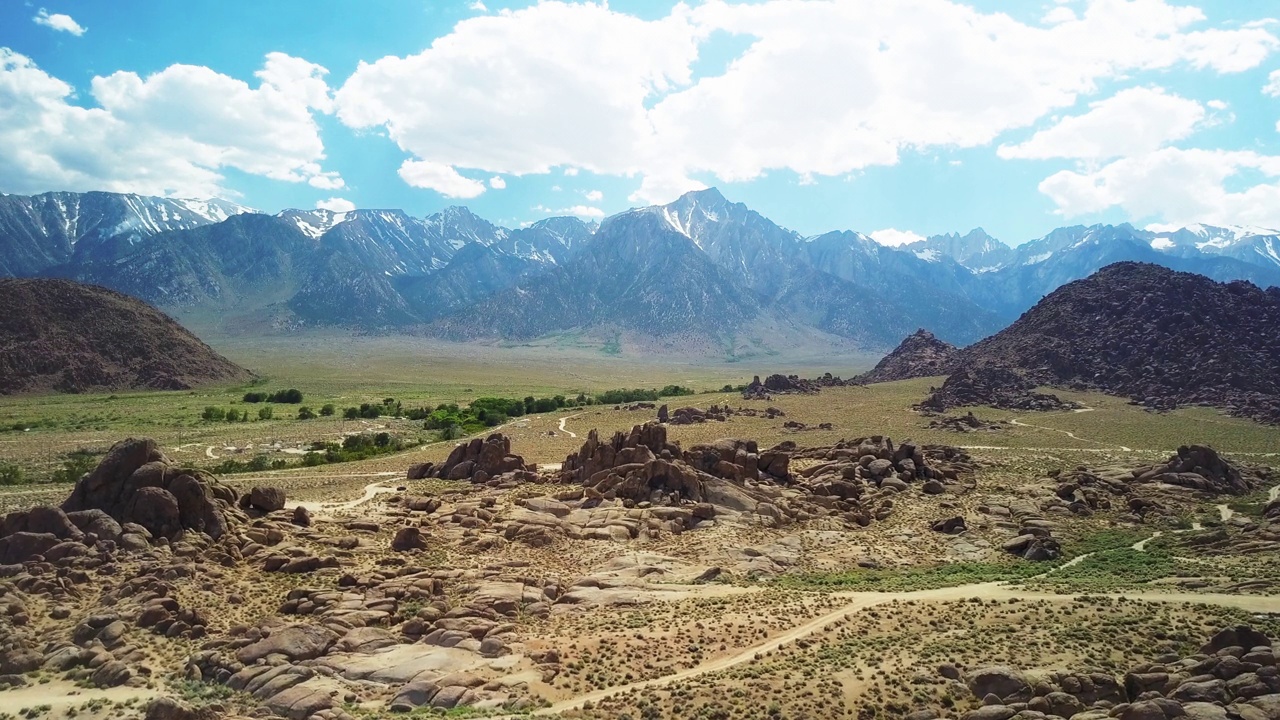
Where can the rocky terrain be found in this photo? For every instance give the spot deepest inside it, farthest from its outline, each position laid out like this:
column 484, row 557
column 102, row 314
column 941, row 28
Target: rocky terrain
column 992, row 385
column 63, row 336
column 1160, row 337
column 920, row 354
column 1234, row 676
column 643, row 573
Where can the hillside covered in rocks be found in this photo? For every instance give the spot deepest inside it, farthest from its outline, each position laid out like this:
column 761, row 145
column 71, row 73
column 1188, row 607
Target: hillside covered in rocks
column 67, row 337
column 1160, row 337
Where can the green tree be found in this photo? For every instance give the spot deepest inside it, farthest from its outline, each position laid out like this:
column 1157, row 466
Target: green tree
column 213, row 414
column 328, row 409
column 264, row 413
column 351, row 413
column 306, row 413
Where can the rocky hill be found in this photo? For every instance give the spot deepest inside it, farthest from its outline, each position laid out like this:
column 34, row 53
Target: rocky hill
column 1161, row 337
column 920, row 354
column 65, row 336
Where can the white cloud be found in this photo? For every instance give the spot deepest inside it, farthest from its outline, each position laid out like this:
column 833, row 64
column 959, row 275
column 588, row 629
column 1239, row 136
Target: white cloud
column 579, row 210
column 59, row 22
column 895, row 238
column 1217, row 105
column 1178, row 186
column 823, row 88
column 478, row 6
column 171, row 133
column 593, row 195
column 570, row 171
column 336, row 204
column 1132, row 121
column 659, row 188
column 1272, row 88
column 497, row 183
column 441, row 178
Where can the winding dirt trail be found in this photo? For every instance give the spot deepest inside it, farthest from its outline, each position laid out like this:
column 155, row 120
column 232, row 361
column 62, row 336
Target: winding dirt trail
column 326, row 510
column 1068, row 433
column 860, row 601
column 208, row 452
column 565, row 430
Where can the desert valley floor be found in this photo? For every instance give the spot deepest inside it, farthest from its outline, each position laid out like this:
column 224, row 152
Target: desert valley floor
column 1016, row 564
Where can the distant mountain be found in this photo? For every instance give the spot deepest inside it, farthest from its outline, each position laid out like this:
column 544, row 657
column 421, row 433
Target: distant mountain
column 701, row 264
column 41, row 232
column 65, row 336
column 976, row 250
column 638, row 273
column 1161, row 337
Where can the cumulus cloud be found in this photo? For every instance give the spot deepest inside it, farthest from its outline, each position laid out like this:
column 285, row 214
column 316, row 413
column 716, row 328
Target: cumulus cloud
column 594, row 195
column 497, row 183
column 441, row 178
column 336, row 204
column 823, row 88
column 170, row 133
column 59, row 22
column 1132, row 121
column 1180, row 186
column 1272, row 88
column 582, row 211
column 895, row 238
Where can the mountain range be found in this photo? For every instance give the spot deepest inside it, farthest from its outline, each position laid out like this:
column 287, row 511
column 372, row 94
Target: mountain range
column 700, row 267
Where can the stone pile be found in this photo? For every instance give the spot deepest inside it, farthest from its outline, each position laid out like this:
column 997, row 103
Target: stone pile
column 717, row 413
column 778, row 384
column 133, row 496
column 1160, row 337
column 965, row 424
column 1233, row 677
column 991, row 385
column 481, row 461
column 1194, row 470
column 920, row 354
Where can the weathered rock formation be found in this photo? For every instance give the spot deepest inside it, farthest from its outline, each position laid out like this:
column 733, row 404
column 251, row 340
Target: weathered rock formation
column 1234, row 677
column 993, row 385
column 965, row 424
column 920, row 354
column 134, row 495
column 1160, row 337
column 487, row 460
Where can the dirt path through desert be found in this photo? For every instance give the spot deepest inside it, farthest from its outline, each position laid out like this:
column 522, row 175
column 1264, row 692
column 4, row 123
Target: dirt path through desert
column 860, row 601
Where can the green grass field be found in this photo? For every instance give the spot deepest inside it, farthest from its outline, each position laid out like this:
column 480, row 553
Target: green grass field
column 348, row 371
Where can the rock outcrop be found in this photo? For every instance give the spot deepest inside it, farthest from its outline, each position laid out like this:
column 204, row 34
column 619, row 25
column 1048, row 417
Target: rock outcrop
column 920, row 354
column 481, row 460
column 136, row 483
column 1160, row 337
column 992, row 385
column 134, row 495
column 1234, row 677
column 70, row 337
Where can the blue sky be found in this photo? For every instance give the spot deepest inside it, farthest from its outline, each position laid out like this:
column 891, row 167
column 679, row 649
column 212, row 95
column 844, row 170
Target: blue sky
column 921, row 116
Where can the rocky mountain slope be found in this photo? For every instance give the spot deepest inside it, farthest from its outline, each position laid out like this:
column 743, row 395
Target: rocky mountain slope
column 920, row 354
column 41, row 232
column 61, row 335
column 1161, row 337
